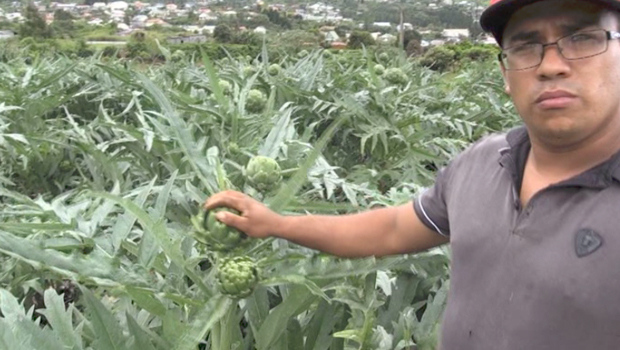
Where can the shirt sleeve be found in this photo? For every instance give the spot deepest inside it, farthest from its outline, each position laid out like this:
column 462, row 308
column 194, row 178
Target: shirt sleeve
column 430, row 205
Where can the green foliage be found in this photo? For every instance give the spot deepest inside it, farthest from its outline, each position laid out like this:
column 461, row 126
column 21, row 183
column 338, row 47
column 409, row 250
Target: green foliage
column 223, row 33
column 34, row 24
column 453, row 56
column 359, row 39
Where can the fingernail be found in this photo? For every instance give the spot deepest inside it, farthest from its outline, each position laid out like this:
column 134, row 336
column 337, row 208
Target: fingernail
column 220, row 216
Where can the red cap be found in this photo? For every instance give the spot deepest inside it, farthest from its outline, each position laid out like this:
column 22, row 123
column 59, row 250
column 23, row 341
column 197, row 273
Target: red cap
column 495, row 17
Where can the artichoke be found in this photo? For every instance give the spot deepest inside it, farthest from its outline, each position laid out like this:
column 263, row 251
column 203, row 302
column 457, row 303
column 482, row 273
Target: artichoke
column 249, row 70
column 395, row 76
column 274, row 69
column 379, row 69
column 216, row 234
column 263, row 173
column 237, row 277
column 256, row 101
column 384, row 57
column 226, row 87
column 178, row 56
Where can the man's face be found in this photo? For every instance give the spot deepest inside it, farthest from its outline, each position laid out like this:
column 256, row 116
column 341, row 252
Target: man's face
column 591, row 85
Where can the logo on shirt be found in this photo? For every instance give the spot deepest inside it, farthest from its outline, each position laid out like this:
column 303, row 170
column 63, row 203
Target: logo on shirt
column 587, row 242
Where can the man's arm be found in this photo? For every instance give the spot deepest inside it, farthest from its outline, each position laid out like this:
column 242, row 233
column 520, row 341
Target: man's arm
column 378, row 232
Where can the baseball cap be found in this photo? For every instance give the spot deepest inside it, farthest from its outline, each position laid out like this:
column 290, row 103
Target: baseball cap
column 495, row 17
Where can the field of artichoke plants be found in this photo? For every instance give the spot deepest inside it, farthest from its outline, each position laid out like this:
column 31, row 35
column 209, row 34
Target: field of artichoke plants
column 104, row 166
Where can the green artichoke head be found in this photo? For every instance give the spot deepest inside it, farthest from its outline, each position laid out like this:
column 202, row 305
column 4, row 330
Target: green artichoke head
column 215, row 234
column 237, row 276
column 274, row 69
column 379, row 69
column 263, row 173
column 395, row 76
column 256, row 101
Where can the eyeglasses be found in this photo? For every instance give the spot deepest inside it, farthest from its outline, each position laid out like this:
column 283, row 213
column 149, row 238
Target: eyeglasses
column 572, row 47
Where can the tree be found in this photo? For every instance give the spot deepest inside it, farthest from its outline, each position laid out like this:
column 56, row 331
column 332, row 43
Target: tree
column 63, row 23
column 222, row 33
column 360, row 38
column 410, row 35
column 34, row 25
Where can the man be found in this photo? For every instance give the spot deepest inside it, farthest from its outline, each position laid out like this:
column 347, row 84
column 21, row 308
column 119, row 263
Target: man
column 532, row 216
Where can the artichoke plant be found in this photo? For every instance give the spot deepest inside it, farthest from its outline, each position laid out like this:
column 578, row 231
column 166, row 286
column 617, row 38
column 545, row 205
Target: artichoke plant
column 263, row 173
column 379, row 69
column 395, row 76
column 274, row 69
column 215, row 234
column 255, row 102
column 237, row 276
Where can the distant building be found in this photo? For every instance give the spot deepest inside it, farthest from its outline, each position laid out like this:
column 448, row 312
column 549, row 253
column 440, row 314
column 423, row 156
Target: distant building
column 455, row 34
column 186, row 39
column 7, row 34
column 260, row 30
column 118, row 6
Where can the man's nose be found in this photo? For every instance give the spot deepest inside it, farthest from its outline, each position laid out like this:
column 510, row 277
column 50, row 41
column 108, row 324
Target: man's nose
column 553, row 63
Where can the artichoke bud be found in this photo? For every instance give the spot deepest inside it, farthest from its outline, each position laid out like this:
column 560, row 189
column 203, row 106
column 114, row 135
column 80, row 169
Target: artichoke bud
column 238, row 276
column 215, row 234
column 263, row 173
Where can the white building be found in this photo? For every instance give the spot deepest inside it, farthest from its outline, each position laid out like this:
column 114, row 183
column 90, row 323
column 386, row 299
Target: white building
column 6, row 34
column 15, row 16
column 118, row 6
column 455, row 34
column 260, row 30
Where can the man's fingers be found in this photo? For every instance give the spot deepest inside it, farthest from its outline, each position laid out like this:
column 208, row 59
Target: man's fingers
column 229, row 199
column 231, row 219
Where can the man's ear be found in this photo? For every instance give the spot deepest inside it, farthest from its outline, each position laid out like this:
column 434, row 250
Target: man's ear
column 506, row 86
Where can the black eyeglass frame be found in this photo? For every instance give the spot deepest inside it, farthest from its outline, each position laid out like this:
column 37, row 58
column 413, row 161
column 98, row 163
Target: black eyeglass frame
column 611, row 35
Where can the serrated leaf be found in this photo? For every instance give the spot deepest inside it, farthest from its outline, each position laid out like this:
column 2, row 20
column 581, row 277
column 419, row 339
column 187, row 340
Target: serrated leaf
column 109, row 335
column 60, row 319
column 203, row 322
column 140, row 337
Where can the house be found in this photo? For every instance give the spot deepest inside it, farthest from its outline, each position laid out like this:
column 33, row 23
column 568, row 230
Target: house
column 15, row 16
column 455, row 34
column 99, row 5
column 382, row 24
column 7, row 34
column 96, row 22
column 172, row 7
column 118, row 6
column 157, row 21
column 260, row 30
column 186, row 39
column 387, row 38
column 204, row 16
column 407, row 26
column 331, row 36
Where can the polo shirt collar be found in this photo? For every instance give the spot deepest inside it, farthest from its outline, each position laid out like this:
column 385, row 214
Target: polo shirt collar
column 513, row 159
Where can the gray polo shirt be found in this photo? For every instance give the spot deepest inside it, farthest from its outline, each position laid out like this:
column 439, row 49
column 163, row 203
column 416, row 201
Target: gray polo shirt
column 546, row 276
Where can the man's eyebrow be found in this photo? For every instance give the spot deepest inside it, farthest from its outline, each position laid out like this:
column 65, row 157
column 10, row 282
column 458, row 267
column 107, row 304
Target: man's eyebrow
column 573, row 26
column 524, row 36
column 579, row 25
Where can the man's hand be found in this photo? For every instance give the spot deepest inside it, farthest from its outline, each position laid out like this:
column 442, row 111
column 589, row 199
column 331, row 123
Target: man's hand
column 255, row 219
